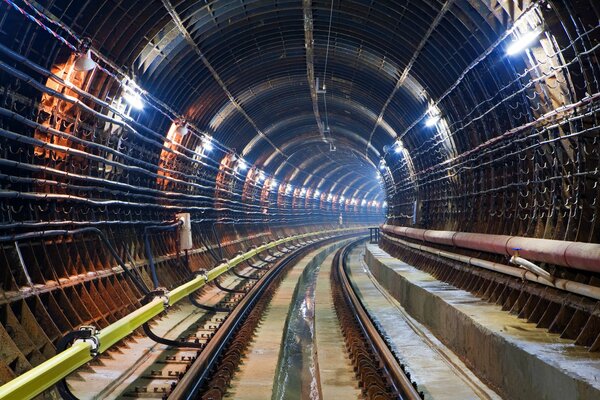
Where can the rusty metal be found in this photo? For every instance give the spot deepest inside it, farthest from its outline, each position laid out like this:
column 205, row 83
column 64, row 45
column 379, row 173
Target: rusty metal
column 113, row 329
column 200, row 381
column 586, row 290
column 380, row 374
column 572, row 316
column 218, row 384
column 578, row 255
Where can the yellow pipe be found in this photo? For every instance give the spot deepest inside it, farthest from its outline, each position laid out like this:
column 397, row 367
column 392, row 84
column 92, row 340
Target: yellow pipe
column 113, row 333
column 42, row 377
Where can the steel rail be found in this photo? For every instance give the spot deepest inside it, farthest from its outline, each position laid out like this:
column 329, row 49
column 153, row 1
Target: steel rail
column 194, row 384
column 394, row 371
column 199, row 371
column 43, row 376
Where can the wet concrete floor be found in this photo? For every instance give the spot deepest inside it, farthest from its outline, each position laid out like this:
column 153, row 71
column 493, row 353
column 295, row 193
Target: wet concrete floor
column 439, row 373
column 523, row 361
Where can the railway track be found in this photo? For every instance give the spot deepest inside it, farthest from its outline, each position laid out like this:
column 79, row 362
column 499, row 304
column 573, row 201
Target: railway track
column 209, row 375
column 445, row 354
column 380, row 374
column 201, row 362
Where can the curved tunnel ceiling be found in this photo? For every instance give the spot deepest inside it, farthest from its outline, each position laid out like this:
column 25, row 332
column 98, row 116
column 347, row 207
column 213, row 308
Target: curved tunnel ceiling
column 241, row 70
column 246, row 73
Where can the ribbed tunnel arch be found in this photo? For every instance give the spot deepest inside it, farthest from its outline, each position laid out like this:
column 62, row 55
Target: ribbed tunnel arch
column 263, row 118
column 283, row 84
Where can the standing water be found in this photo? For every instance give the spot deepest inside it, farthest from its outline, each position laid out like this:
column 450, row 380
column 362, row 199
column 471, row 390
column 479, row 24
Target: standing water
column 297, row 370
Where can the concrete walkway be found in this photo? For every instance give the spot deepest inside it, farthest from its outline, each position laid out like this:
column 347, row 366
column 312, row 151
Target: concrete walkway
column 439, row 373
column 522, row 361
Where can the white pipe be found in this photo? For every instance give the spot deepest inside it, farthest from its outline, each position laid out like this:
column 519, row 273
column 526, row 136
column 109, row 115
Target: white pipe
column 515, row 259
column 562, row 284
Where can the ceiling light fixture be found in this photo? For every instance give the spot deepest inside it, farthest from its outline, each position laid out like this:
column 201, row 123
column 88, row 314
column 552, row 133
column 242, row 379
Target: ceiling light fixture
column 83, row 60
column 207, row 143
column 432, row 121
column 132, row 97
column 182, row 128
column 523, row 41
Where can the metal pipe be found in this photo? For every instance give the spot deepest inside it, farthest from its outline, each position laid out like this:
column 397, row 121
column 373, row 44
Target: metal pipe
column 578, row 255
column 43, row 376
column 531, row 267
column 562, row 284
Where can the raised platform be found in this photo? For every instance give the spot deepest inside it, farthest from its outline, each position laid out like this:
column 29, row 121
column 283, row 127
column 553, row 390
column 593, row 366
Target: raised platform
column 512, row 355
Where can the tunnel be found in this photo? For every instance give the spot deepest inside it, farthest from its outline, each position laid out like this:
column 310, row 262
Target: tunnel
column 283, row 178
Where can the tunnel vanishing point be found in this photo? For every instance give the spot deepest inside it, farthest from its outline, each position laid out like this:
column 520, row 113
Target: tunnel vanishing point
column 299, row 199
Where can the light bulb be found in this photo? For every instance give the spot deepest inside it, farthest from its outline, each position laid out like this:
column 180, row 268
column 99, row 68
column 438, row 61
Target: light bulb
column 133, row 98
column 84, row 62
column 207, row 144
column 522, row 42
column 432, row 121
column 182, row 129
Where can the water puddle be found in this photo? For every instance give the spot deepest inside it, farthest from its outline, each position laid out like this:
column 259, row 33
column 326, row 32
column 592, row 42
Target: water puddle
column 297, row 374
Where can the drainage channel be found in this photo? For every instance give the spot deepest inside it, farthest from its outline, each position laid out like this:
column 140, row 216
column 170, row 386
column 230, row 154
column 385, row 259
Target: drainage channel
column 281, row 361
column 297, row 374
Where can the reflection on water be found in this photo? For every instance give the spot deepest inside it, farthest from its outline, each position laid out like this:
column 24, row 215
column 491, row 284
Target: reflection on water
column 296, row 376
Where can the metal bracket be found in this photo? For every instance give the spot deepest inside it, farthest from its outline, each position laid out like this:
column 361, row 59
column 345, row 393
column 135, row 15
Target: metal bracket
column 202, row 273
column 89, row 334
column 161, row 292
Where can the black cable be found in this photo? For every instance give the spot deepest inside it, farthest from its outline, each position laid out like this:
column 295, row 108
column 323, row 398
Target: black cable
column 255, row 266
column 148, row 249
column 169, row 342
column 195, row 302
column 62, row 344
column 44, row 234
column 243, row 276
